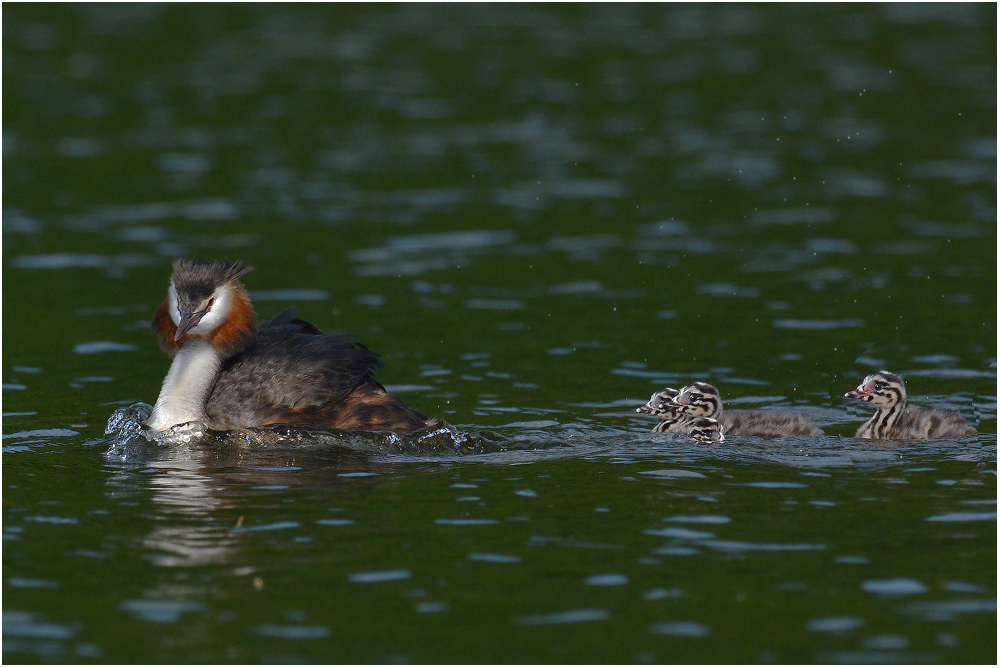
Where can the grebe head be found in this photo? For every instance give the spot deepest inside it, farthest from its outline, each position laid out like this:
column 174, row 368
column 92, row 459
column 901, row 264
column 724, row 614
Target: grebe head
column 206, row 300
column 659, row 403
column 881, row 389
column 698, row 399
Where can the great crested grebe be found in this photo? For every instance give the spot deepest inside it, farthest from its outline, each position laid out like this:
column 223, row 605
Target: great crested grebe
column 701, row 429
column 704, row 399
column 893, row 422
column 228, row 372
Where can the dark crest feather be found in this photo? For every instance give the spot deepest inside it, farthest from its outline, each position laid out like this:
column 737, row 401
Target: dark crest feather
column 198, row 279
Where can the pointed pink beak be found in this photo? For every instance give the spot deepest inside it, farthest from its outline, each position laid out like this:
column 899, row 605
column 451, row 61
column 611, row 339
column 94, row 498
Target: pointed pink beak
column 862, row 392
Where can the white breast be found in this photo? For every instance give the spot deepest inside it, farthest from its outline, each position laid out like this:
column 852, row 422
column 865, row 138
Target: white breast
column 185, row 389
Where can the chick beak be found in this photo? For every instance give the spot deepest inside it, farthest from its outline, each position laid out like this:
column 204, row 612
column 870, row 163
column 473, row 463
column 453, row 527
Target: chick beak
column 650, row 406
column 861, row 393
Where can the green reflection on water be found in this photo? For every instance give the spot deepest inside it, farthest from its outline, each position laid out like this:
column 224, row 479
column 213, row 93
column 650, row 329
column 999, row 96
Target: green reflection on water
column 788, row 555
column 542, row 215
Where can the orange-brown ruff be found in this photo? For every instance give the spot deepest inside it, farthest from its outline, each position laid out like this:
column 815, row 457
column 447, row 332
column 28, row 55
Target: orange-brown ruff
column 231, row 373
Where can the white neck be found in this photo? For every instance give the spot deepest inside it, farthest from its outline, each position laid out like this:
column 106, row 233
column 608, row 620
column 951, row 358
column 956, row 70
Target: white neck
column 187, row 386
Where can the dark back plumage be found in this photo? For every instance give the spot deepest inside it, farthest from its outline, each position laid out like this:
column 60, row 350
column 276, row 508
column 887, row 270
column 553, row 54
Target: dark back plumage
column 293, row 373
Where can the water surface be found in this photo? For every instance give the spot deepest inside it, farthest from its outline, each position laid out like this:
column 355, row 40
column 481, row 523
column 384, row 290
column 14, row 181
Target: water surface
column 538, row 216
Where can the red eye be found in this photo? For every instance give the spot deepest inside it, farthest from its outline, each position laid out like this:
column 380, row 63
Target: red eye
column 210, row 302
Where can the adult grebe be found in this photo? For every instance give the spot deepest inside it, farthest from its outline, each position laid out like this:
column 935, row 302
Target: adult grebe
column 228, row 372
column 701, row 429
column 893, row 422
column 704, row 399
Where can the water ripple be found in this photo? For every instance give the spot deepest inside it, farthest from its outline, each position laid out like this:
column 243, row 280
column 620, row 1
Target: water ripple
column 565, row 617
column 26, row 625
column 275, row 526
column 835, row 624
column 160, row 612
column 817, row 324
column 673, row 473
column 95, row 347
column 699, row 519
column 949, row 611
column 894, row 587
column 985, row 516
column 494, row 558
column 677, row 532
column 379, row 576
column 607, row 580
column 741, row 546
column 292, row 632
column 686, row 629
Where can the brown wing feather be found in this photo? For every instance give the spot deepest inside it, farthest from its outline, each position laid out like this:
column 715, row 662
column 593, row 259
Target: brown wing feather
column 368, row 407
column 294, row 374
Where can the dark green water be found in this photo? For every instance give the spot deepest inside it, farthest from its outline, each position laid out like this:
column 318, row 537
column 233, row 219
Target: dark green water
column 538, row 216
